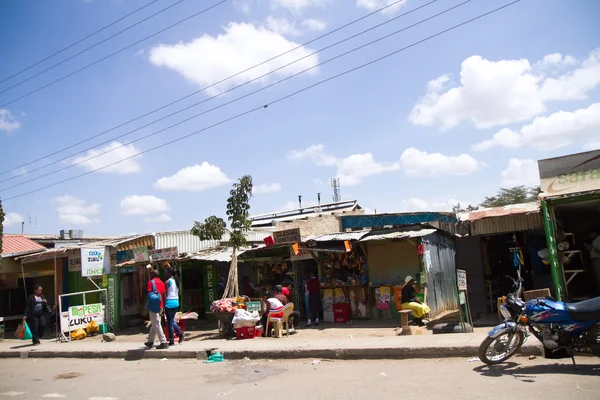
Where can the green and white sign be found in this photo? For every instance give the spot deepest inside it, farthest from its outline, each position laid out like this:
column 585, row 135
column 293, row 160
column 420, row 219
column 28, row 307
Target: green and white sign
column 81, row 316
column 88, row 310
column 94, row 262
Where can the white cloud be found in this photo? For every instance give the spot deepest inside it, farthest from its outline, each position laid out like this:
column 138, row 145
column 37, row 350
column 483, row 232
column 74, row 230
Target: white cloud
column 351, row 170
column 520, row 172
column 313, row 24
column 160, row 218
column 296, row 5
column 7, row 121
column 554, row 131
column 318, row 181
column 266, row 188
column 141, row 205
column 12, row 218
column 417, row 204
column 74, row 211
column 315, row 153
column 282, row 26
column 243, row 6
column 417, row 163
column 194, row 178
column 555, row 60
column 209, row 59
column 115, row 153
column 372, row 5
column 493, row 93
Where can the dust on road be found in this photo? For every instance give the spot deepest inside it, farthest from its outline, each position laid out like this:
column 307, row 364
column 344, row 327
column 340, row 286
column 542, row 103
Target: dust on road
column 298, row 379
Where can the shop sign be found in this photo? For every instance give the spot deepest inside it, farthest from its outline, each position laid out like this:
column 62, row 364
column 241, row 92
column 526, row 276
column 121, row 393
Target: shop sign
column 94, row 262
column 141, row 254
column 210, row 285
column 74, row 260
column 461, row 279
column 570, row 174
column 112, row 300
column 164, row 254
column 80, row 316
column 288, row 236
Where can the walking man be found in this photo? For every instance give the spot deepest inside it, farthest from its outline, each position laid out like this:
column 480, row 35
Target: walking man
column 155, row 304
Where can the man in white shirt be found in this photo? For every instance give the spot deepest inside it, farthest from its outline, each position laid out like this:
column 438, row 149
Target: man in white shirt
column 594, row 249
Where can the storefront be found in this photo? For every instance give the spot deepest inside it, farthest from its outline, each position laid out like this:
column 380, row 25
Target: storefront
column 496, row 243
column 427, row 254
column 570, row 203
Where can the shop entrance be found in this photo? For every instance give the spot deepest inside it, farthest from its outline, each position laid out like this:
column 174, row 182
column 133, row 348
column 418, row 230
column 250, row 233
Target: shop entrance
column 574, row 223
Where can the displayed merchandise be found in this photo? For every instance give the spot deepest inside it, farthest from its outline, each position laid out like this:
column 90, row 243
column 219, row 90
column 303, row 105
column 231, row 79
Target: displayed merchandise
column 223, row 305
column 244, row 318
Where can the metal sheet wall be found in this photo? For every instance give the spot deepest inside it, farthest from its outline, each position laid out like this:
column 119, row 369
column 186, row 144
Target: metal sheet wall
column 187, row 243
column 441, row 276
column 507, row 224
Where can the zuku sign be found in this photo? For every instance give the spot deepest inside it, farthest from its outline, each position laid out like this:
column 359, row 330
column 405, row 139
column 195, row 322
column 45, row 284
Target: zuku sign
column 94, row 262
column 81, row 316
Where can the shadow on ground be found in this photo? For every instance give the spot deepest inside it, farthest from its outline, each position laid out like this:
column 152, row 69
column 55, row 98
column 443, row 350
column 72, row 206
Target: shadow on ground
column 528, row 373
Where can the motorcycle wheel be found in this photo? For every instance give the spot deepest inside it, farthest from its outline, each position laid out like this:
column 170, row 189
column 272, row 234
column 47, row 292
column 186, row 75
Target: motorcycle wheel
column 497, row 350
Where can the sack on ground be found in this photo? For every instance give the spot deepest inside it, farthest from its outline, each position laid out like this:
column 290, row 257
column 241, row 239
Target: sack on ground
column 27, row 333
column 78, row 334
column 154, row 298
column 92, row 327
column 243, row 318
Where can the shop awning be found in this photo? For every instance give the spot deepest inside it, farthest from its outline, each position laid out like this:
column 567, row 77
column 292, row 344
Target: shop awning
column 397, row 235
column 512, row 209
column 336, row 237
column 507, row 219
column 221, row 254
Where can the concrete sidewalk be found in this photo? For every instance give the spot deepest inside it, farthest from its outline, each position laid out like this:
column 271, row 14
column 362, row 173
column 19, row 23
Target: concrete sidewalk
column 300, row 345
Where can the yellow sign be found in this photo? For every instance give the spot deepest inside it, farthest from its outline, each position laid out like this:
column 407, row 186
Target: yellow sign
column 104, row 281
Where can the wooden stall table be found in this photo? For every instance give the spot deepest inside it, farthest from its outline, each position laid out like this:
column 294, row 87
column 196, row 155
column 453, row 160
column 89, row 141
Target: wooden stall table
column 225, row 322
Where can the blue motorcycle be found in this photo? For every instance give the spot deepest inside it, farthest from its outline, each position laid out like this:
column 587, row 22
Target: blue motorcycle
column 563, row 328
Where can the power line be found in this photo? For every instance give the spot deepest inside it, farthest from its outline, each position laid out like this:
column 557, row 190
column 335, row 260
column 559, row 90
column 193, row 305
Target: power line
column 266, row 105
column 227, row 91
column 79, row 41
column 111, row 55
column 203, row 89
column 91, row 47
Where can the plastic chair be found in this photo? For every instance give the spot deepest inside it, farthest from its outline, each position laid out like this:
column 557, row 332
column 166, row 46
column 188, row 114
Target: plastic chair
column 278, row 322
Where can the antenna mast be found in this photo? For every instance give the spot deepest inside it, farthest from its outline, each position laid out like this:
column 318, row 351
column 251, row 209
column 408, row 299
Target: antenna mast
column 335, row 184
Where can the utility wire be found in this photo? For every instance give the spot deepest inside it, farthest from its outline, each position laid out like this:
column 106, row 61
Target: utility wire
column 79, row 41
column 111, row 55
column 266, row 105
column 227, row 91
column 91, row 47
column 201, row 90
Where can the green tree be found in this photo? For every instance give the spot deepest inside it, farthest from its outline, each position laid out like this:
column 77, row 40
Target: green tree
column 213, row 228
column 458, row 208
column 1, row 229
column 516, row 195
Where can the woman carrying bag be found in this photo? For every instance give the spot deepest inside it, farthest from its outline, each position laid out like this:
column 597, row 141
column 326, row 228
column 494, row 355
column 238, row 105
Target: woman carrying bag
column 36, row 309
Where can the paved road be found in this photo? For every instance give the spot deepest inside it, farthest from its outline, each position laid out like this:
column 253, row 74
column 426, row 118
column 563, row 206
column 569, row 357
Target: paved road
column 300, row 379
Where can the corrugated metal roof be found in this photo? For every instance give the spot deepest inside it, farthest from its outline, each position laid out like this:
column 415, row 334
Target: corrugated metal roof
column 397, row 235
column 220, row 254
column 336, row 237
column 304, row 213
column 14, row 245
column 188, row 243
column 512, row 209
column 507, row 224
column 60, row 251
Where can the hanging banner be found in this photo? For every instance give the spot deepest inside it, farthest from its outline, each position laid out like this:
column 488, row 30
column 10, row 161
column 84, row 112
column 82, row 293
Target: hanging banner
column 141, row 254
column 93, row 261
column 461, row 279
column 164, row 254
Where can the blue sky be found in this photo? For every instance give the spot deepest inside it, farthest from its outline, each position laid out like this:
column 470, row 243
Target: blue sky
column 452, row 119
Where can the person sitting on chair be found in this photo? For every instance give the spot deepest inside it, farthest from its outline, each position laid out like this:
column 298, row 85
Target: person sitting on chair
column 270, row 304
column 283, row 298
column 410, row 301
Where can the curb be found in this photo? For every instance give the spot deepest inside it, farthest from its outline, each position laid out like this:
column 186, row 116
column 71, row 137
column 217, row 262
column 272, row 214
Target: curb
column 385, row 353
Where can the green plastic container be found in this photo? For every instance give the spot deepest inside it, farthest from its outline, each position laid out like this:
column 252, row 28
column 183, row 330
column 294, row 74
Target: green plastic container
column 103, row 328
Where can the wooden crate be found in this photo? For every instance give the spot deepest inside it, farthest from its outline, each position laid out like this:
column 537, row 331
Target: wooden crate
column 534, row 294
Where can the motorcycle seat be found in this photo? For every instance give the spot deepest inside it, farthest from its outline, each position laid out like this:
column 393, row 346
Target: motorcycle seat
column 587, row 310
